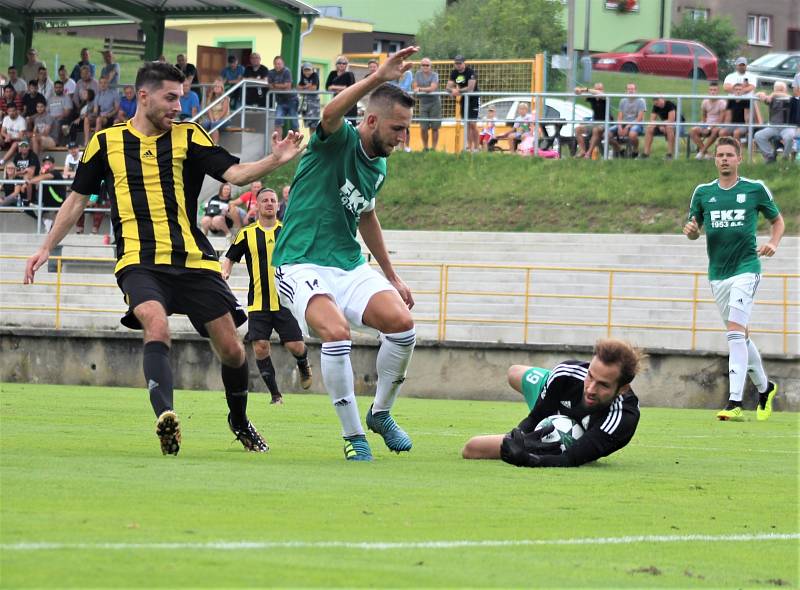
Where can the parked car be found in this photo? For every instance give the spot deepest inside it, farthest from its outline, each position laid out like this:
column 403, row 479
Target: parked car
column 773, row 67
column 554, row 109
column 665, row 57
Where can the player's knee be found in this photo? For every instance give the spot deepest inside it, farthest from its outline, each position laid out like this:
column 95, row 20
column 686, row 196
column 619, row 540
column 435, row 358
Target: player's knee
column 231, row 353
column 296, row 347
column 261, row 348
column 402, row 323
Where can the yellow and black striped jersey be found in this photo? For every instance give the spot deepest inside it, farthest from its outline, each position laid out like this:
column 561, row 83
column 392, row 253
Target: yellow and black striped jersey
column 257, row 244
column 153, row 183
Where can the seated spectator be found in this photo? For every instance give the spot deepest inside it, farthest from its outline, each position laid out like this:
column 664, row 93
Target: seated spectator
column 30, row 100
column 85, row 82
column 487, row 129
column 247, row 205
column 190, row 102
column 98, row 201
column 629, row 127
column 737, row 114
column 110, row 69
column 72, row 160
column 779, row 106
column 27, row 164
column 44, row 84
column 127, row 105
column 53, row 195
column 284, row 202
column 106, row 106
column 20, row 85
column 10, row 96
column 66, row 81
column 59, row 107
column 663, row 110
column 42, row 131
column 217, row 217
column 712, row 114
column 218, row 112
column 83, row 120
column 521, row 126
column 12, row 131
column 12, row 193
column 598, row 104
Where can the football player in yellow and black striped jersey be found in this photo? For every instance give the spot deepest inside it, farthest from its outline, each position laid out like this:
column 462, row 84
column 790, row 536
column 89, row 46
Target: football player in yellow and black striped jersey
column 153, row 169
column 255, row 242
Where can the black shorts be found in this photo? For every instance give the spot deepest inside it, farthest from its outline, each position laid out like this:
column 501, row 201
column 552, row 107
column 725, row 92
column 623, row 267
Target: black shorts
column 200, row 294
column 261, row 323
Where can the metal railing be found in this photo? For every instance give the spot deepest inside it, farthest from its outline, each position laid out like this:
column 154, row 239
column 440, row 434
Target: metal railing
column 445, row 291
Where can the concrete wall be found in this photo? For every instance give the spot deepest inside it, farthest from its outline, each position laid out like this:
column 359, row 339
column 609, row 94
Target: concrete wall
column 452, row 370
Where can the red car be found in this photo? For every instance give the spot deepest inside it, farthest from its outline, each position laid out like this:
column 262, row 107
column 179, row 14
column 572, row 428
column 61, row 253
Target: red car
column 665, row 57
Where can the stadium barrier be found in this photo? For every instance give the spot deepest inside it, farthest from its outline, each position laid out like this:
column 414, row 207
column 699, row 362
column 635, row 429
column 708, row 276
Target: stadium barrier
column 444, row 295
column 37, row 209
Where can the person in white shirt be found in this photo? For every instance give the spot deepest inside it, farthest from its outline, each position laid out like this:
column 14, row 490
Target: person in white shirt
column 72, row 160
column 12, row 131
column 69, row 83
column 748, row 82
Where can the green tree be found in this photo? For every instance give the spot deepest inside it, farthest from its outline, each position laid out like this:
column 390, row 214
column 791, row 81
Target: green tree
column 718, row 33
column 494, row 29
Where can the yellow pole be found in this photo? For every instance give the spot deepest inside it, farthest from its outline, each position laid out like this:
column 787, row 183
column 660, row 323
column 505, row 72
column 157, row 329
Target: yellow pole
column 444, row 301
column 538, row 82
column 527, row 295
column 694, row 310
column 441, row 302
column 610, row 299
column 58, row 294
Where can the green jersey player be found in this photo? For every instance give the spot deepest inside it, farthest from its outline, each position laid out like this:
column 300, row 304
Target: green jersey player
column 728, row 208
column 322, row 276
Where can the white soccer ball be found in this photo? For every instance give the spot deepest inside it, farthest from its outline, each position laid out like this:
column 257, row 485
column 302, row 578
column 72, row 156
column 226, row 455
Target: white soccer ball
column 567, row 430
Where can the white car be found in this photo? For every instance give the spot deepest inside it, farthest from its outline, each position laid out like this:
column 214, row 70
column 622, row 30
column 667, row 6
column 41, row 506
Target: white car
column 554, row 108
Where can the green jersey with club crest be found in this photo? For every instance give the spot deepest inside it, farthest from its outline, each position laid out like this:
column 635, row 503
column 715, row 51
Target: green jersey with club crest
column 730, row 217
column 334, row 184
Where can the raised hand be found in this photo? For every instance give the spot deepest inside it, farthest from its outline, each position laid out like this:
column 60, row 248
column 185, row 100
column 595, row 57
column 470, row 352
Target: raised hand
column 288, row 148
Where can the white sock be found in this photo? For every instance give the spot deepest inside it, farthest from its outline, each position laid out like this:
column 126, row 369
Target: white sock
column 393, row 358
column 737, row 364
column 337, row 375
column 755, row 368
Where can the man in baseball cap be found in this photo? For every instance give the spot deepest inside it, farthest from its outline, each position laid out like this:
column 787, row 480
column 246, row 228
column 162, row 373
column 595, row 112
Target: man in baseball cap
column 740, row 76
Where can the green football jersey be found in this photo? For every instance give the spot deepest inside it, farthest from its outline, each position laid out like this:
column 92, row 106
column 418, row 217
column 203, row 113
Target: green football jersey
column 731, row 218
column 334, row 184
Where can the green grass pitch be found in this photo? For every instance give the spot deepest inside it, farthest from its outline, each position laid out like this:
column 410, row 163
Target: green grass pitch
column 88, row 500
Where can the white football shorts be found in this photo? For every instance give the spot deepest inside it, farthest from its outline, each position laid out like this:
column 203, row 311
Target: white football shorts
column 351, row 290
column 735, row 296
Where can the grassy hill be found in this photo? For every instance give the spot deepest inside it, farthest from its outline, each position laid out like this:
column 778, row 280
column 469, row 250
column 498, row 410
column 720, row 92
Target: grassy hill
column 500, row 192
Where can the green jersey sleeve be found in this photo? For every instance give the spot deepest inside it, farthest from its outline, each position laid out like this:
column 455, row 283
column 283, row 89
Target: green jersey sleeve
column 766, row 204
column 696, row 208
column 335, row 141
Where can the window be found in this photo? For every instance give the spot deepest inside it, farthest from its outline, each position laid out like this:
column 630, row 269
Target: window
column 696, row 13
column 701, row 52
column 681, row 49
column 759, row 30
column 384, row 46
column 658, row 49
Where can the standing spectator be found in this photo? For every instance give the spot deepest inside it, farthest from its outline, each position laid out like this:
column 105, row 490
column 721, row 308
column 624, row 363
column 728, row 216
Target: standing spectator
column 20, row 85
column 76, row 70
column 372, row 67
column 309, row 82
column 30, row 100
column 218, row 112
column 66, row 81
column 59, row 107
column 83, row 122
column 779, row 106
column 247, row 203
column 44, row 84
column 42, row 130
column 796, row 82
column 31, row 68
column 12, row 132
column 629, row 122
column 280, row 78
column 53, row 195
column 72, row 160
column 27, row 164
column 86, row 81
column 190, row 102
column 256, row 94
column 405, row 82
column 712, row 115
column 426, row 82
column 598, row 102
column 338, row 80
column 284, row 201
column 10, row 97
column 11, row 194
column 663, row 110
column 740, row 76
column 189, row 70
column 106, row 106
column 463, row 82
column 127, row 105
column 737, row 113
column 110, row 70
column 232, row 75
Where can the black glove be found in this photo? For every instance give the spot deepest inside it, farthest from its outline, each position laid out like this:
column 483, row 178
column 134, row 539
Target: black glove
column 513, row 450
column 534, row 444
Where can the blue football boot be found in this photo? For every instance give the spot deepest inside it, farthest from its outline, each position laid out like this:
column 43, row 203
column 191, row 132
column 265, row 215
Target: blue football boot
column 395, row 437
column 356, row 448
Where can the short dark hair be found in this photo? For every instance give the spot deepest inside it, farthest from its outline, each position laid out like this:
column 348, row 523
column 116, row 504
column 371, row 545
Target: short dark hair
column 732, row 141
column 153, row 74
column 59, row 82
column 611, row 351
column 713, row 83
column 388, row 94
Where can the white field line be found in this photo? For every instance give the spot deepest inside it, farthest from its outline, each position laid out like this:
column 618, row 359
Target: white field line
column 383, row 546
column 720, row 449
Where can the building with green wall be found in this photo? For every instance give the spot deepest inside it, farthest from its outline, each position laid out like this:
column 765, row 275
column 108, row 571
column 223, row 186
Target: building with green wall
column 610, row 28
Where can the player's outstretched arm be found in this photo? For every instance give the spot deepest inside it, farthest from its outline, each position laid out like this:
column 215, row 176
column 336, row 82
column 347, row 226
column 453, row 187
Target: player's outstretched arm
column 283, row 151
column 371, row 231
column 68, row 214
column 391, row 69
column 776, row 233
